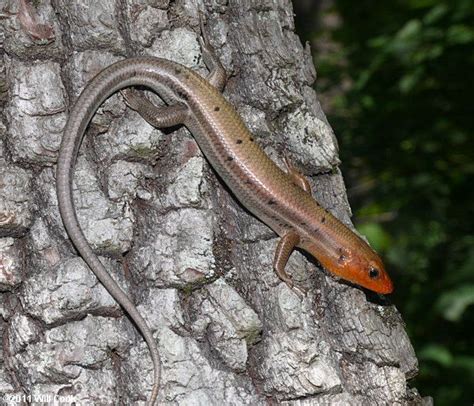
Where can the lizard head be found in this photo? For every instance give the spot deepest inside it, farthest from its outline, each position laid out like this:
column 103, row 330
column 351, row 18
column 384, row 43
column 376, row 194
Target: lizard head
column 359, row 264
column 365, row 269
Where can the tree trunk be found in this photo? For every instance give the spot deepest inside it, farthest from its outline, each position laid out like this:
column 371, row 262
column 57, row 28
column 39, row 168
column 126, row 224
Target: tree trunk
column 195, row 262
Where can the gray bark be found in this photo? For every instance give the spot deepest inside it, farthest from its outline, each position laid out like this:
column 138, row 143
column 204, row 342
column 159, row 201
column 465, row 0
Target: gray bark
column 195, row 262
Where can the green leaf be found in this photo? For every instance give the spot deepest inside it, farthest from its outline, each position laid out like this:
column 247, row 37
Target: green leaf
column 410, row 30
column 454, row 303
column 460, row 34
column 378, row 237
column 378, row 42
column 409, row 81
column 437, row 353
column 435, row 14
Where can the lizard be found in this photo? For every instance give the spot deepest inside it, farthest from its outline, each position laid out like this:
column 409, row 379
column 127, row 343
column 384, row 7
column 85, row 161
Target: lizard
column 281, row 199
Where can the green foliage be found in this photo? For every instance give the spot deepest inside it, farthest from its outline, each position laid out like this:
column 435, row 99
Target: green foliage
column 405, row 126
column 453, row 303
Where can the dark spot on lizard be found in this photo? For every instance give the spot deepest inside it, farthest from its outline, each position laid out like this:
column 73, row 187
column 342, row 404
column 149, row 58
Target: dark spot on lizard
column 342, row 255
column 302, row 223
column 323, row 219
column 229, row 159
column 251, row 139
column 182, row 94
column 271, row 202
column 217, row 108
column 238, row 142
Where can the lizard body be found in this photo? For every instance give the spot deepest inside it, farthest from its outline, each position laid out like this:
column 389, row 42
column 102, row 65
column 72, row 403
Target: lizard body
column 280, row 199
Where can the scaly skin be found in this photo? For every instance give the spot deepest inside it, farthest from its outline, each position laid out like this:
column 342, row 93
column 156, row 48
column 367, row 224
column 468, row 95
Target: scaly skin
column 272, row 195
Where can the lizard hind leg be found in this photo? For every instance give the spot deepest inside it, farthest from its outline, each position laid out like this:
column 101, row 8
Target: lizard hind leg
column 217, row 75
column 157, row 116
column 297, row 177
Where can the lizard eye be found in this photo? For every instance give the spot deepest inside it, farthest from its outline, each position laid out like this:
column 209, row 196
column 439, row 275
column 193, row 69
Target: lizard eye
column 373, row 273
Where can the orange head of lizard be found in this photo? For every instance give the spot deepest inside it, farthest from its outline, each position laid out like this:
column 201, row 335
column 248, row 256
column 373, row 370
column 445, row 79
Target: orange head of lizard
column 361, row 266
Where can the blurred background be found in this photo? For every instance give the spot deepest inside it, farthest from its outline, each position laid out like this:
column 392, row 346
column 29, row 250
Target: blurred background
column 396, row 81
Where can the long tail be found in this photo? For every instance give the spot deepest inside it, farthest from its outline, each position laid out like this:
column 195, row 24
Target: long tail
column 110, row 80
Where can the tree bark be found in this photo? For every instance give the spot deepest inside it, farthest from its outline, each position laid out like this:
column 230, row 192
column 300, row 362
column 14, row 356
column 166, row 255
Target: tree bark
column 195, row 262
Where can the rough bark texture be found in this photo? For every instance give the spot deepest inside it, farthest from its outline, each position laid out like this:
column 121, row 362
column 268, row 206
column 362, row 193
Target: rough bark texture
column 195, row 262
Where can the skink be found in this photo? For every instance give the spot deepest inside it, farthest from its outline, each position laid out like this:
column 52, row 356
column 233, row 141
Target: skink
column 280, row 199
